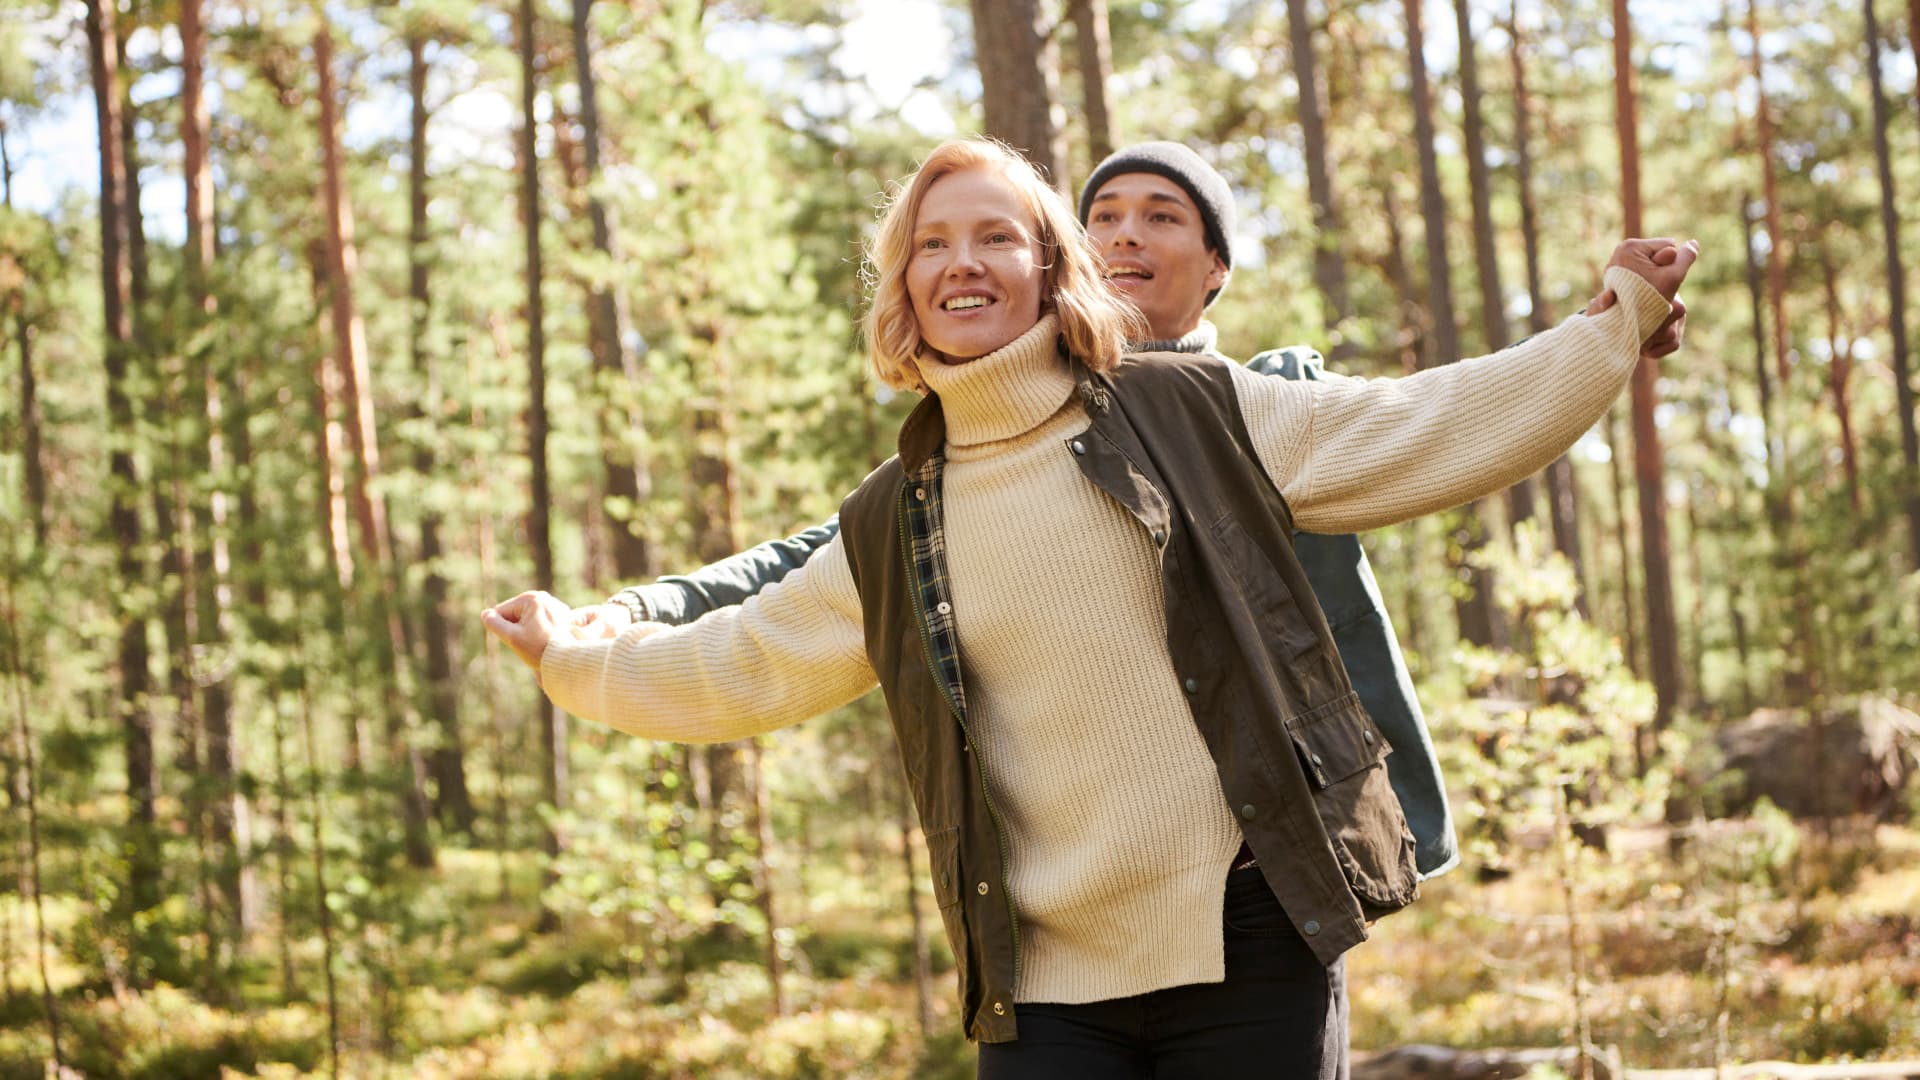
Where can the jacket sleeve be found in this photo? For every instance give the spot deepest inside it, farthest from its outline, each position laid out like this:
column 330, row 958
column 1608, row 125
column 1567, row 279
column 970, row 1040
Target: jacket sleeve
column 794, row 650
column 1355, row 454
column 679, row 599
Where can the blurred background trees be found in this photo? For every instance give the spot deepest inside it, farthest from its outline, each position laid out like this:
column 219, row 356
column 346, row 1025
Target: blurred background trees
column 588, row 274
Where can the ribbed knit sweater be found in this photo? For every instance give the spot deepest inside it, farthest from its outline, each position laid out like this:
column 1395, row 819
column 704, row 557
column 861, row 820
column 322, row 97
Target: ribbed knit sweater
column 1118, row 833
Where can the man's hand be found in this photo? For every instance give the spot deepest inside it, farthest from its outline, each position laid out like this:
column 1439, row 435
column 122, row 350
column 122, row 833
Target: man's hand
column 599, row 621
column 527, row 622
column 1664, row 265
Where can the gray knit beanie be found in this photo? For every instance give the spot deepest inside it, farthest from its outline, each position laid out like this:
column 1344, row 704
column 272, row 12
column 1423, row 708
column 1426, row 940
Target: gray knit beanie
column 1201, row 181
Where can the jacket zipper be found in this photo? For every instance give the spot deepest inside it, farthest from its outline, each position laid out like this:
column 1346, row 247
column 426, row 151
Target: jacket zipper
column 946, row 693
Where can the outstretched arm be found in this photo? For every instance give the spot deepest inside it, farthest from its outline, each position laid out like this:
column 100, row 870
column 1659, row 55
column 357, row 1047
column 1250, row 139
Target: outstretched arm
column 795, row 650
column 1357, row 454
column 676, row 600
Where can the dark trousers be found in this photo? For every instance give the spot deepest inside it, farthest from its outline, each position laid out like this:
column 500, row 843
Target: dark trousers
column 1279, row 1014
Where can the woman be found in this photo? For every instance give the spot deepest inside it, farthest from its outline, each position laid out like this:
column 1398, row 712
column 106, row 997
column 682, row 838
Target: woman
column 1156, row 813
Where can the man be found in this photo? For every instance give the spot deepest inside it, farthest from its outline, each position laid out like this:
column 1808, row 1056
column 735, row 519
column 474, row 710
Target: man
column 1162, row 219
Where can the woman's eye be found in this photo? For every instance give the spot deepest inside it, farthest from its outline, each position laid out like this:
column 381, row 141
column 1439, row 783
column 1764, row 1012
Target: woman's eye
column 929, row 244
column 1000, row 238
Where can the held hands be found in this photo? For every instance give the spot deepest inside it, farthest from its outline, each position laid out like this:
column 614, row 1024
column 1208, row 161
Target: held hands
column 600, row 621
column 1664, row 264
column 527, row 622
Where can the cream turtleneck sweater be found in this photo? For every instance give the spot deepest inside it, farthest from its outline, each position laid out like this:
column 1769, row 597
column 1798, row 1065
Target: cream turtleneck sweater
column 1118, row 833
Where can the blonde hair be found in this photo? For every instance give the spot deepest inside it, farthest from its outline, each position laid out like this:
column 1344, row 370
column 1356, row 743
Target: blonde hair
column 1095, row 321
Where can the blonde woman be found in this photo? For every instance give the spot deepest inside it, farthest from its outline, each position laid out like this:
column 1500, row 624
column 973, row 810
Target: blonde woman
column 1108, row 677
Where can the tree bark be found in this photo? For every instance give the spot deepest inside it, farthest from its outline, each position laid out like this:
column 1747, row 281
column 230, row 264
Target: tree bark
column 1663, row 639
column 1625, row 543
column 370, row 511
column 553, row 731
column 143, row 878
column 33, row 461
column 212, row 562
column 447, row 762
column 762, row 824
column 30, row 796
column 1493, row 305
column 1896, row 281
column 1776, row 249
column 626, row 478
column 1562, row 504
column 1329, row 268
column 1094, row 48
column 1475, row 611
column 1020, row 82
column 1839, row 374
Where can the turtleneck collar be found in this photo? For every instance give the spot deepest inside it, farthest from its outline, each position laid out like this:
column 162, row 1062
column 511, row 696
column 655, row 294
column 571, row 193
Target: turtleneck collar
column 1201, row 339
column 1007, row 392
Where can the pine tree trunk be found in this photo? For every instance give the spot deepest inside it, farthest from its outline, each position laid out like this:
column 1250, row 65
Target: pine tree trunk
column 1618, row 475
column 136, row 722
column 1839, row 373
column 762, row 825
column 370, row 512
column 30, row 792
column 229, row 819
column 1562, row 492
column 1896, row 280
column 33, row 462
column 447, row 762
column 1095, row 51
column 922, row 960
column 1663, row 642
column 1020, row 82
column 1329, row 268
column 553, row 729
column 1493, row 305
column 627, row 482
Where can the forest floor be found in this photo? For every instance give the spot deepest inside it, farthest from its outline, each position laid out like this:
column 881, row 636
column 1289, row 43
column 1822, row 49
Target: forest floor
column 1819, row 961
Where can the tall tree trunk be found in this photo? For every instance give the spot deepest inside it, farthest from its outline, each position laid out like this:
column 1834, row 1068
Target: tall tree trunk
column 1896, row 279
column 1329, row 268
column 1839, row 373
column 136, row 723
column 448, row 761
column 1562, row 492
column 1475, row 611
column 229, row 819
column 626, row 478
column 370, row 511
column 1493, row 304
column 761, row 819
column 553, row 731
column 1020, row 82
column 1621, row 535
column 29, row 791
column 1663, row 638
column 1095, row 51
column 922, row 966
column 33, row 461
column 1776, row 249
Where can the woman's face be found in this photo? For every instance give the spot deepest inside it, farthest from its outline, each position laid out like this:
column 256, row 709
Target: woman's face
column 975, row 273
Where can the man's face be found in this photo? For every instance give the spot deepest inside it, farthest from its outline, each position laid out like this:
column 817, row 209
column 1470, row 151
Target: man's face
column 976, row 272
column 1155, row 246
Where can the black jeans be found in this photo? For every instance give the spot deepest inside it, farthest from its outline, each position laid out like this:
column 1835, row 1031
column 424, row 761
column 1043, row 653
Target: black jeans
column 1279, row 1014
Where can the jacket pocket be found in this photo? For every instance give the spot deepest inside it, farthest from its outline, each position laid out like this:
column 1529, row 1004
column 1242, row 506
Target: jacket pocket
column 1264, row 590
column 1344, row 757
column 943, row 861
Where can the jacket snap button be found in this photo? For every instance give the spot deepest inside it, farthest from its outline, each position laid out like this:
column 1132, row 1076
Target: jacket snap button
column 1317, row 761
column 999, row 1009
column 1368, row 736
column 982, row 887
column 920, row 493
column 1248, row 811
column 943, row 608
column 1310, row 928
column 1159, row 536
column 1193, row 686
column 1078, row 446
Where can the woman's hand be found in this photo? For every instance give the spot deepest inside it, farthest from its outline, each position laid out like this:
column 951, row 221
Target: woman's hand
column 527, row 622
column 1664, row 264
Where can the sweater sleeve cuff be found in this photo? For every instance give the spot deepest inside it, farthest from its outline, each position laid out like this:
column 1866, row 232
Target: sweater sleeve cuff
column 1638, row 295
column 573, row 674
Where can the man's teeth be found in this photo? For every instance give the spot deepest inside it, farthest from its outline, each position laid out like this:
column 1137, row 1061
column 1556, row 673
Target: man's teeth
column 1127, row 271
column 960, row 302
